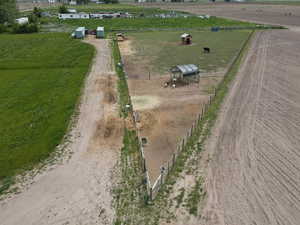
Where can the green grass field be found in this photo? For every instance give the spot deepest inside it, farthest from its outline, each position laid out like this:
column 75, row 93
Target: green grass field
column 41, row 76
column 163, row 49
column 154, row 23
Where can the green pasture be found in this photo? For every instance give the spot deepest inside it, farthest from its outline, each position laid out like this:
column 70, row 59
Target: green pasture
column 163, row 49
column 41, row 76
column 153, row 23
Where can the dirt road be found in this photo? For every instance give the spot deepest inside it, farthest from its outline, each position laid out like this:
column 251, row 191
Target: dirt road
column 78, row 191
column 254, row 177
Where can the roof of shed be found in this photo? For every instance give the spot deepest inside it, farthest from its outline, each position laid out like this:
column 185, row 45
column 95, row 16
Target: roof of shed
column 80, row 29
column 186, row 69
column 185, row 35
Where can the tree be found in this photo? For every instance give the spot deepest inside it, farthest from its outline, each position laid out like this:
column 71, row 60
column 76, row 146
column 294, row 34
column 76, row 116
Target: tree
column 8, row 11
column 37, row 12
column 82, row 2
column 63, row 9
column 111, row 1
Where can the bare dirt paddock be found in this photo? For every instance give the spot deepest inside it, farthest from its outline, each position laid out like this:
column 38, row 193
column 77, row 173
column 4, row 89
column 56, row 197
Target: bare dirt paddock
column 166, row 114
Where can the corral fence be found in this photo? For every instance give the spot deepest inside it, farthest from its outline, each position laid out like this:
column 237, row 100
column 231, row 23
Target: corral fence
column 165, row 169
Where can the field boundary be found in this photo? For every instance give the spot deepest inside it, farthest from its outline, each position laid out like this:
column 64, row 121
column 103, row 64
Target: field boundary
column 226, row 28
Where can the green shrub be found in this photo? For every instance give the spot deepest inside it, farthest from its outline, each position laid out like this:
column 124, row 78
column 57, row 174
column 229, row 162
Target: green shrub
column 25, row 28
column 3, row 28
column 63, row 9
column 37, row 12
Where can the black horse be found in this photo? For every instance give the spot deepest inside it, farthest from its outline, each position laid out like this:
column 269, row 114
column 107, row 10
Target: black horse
column 206, row 50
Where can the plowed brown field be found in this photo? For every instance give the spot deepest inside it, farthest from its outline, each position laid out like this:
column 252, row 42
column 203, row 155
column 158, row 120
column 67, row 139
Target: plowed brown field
column 254, row 177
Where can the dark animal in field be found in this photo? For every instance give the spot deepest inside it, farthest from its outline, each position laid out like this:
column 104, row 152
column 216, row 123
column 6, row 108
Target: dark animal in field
column 92, row 32
column 206, row 50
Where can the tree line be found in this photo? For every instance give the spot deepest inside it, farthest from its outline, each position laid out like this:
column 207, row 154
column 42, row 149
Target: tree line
column 8, row 11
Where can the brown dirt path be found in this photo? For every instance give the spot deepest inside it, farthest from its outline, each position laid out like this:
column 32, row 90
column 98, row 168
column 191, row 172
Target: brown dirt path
column 254, row 177
column 78, row 190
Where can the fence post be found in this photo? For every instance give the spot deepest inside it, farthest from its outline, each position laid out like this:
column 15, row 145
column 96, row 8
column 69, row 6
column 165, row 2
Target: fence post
column 182, row 144
column 173, row 159
column 144, row 165
column 150, row 194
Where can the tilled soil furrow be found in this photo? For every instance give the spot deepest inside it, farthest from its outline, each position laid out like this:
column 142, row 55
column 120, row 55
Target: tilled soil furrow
column 256, row 167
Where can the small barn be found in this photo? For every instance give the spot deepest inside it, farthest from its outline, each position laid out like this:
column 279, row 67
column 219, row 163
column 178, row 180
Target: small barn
column 181, row 71
column 186, row 39
column 100, row 32
column 80, row 32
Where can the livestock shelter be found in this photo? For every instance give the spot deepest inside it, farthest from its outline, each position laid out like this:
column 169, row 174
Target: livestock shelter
column 80, row 32
column 100, row 32
column 186, row 39
column 182, row 71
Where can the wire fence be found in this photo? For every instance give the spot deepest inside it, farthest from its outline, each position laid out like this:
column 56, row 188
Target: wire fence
column 213, row 29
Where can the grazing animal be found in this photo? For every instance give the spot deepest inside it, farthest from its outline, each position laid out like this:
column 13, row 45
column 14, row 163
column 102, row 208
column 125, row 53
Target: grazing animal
column 206, row 50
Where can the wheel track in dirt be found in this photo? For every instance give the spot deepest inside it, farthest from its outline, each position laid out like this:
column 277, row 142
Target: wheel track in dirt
column 254, row 175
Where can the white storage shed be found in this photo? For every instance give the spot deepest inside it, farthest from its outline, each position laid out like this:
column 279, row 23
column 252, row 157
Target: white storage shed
column 80, row 32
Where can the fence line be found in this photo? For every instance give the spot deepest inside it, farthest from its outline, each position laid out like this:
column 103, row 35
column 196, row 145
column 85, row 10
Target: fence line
column 261, row 27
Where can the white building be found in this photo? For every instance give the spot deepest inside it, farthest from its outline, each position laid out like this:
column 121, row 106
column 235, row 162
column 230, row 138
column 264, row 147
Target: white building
column 72, row 2
column 51, row 1
column 72, row 10
column 64, row 16
column 104, row 15
column 22, row 20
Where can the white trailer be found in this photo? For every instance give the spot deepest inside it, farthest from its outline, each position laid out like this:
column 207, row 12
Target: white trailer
column 64, row 16
column 22, row 20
